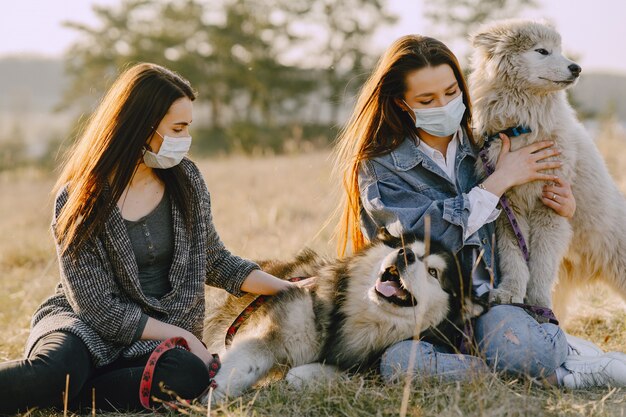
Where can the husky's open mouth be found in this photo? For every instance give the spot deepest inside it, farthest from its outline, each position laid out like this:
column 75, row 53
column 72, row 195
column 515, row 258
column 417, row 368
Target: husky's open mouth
column 389, row 287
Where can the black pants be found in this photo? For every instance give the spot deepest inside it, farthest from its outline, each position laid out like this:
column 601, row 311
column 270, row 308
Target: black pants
column 39, row 381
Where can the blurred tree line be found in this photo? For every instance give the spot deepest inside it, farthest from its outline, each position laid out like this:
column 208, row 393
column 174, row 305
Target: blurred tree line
column 271, row 74
column 275, row 75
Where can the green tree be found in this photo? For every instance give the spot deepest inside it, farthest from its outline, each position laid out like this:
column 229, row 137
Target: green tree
column 238, row 54
column 343, row 31
column 172, row 34
column 225, row 48
column 455, row 20
column 461, row 17
column 252, row 41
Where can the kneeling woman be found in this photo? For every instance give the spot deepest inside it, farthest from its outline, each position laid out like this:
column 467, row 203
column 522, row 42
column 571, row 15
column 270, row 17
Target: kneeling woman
column 408, row 155
column 136, row 244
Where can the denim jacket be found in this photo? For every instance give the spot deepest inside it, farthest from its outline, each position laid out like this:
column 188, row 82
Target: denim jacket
column 405, row 186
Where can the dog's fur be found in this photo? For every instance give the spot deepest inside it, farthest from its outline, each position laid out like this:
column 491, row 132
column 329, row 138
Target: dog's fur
column 342, row 320
column 512, row 84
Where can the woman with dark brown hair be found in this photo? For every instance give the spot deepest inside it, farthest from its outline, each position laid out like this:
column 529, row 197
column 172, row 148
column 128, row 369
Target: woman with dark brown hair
column 407, row 158
column 136, row 244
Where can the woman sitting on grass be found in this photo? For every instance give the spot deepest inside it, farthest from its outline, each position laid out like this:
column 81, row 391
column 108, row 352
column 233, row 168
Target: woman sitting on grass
column 136, row 244
column 408, row 155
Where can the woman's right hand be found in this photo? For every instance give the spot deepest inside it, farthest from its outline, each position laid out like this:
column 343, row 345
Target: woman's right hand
column 521, row 166
column 197, row 348
column 158, row 330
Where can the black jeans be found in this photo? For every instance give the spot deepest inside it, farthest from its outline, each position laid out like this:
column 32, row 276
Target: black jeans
column 39, row 381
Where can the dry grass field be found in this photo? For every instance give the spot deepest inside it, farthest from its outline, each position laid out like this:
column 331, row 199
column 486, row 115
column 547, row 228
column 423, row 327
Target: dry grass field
column 272, row 207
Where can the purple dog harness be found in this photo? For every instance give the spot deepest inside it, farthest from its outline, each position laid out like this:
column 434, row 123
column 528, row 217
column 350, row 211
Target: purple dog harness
column 504, row 202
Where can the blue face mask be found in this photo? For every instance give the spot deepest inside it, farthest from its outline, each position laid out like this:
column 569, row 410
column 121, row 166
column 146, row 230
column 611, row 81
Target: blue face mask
column 441, row 121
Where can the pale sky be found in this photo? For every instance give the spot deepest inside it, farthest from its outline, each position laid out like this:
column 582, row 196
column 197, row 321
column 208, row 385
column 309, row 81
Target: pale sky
column 592, row 29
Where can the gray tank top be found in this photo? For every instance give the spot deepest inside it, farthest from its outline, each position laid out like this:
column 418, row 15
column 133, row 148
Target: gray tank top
column 152, row 238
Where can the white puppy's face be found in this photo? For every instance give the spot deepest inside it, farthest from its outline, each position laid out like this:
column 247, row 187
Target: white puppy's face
column 523, row 54
column 545, row 67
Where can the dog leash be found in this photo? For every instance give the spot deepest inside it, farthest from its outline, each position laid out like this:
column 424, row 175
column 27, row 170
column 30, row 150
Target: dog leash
column 467, row 343
column 540, row 314
column 504, row 202
column 145, row 387
column 247, row 312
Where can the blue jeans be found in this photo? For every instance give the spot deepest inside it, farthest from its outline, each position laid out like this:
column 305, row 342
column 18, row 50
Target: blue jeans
column 508, row 338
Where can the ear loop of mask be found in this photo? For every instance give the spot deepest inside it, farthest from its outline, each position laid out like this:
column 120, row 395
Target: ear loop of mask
column 411, row 111
column 147, row 147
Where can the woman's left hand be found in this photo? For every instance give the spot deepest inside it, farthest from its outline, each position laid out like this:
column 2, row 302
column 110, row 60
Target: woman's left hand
column 559, row 198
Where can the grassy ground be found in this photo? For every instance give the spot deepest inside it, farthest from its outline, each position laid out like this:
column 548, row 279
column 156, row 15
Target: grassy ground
column 271, row 208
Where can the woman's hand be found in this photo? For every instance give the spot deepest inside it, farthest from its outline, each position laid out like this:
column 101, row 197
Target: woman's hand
column 524, row 165
column 158, row 330
column 197, row 348
column 559, row 198
column 306, row 283
column 260, row 282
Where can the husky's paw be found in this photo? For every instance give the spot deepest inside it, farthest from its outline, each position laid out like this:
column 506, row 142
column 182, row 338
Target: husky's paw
column 504, row 296
column 474, row 309
column 215, row 396
column 312, row 373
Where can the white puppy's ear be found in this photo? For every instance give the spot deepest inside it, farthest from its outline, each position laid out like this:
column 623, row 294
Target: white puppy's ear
column 485, row 40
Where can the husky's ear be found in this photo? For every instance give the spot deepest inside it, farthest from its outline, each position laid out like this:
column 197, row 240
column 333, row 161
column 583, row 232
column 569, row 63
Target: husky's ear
column 387, row 238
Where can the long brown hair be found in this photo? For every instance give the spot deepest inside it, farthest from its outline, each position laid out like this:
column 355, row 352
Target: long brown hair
column 110, row 147
column 378, row 125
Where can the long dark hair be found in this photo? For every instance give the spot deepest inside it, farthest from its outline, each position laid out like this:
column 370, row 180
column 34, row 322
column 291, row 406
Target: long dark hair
column 110, row 147
column 378, row 125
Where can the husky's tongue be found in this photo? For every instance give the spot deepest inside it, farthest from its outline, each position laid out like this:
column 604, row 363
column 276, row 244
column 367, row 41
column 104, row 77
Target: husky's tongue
column 388, row 288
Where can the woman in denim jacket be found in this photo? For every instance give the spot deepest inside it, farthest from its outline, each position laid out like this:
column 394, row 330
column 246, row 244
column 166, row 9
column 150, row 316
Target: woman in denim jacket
column 407, row 155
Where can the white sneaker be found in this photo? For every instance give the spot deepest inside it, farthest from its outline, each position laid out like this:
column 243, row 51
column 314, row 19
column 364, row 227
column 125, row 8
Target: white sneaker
column 582, row 347
column 595, row 371
column 617, row 355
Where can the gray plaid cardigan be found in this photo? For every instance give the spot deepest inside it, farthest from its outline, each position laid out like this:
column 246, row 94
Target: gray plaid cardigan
column 99, row 298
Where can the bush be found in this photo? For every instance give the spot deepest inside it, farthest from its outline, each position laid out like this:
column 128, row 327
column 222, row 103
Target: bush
column 251, row 138
column 13, row 150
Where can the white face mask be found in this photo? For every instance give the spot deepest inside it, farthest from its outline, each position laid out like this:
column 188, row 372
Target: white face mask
column 172, row 151
column 441, row 121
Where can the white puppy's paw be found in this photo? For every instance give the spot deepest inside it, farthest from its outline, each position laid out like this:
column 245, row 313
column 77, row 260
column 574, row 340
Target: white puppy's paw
column 504, row 296
column 537, row 297
column 540, row 301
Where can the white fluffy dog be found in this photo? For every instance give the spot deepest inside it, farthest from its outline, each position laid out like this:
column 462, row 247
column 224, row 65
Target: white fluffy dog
column 519, row 77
